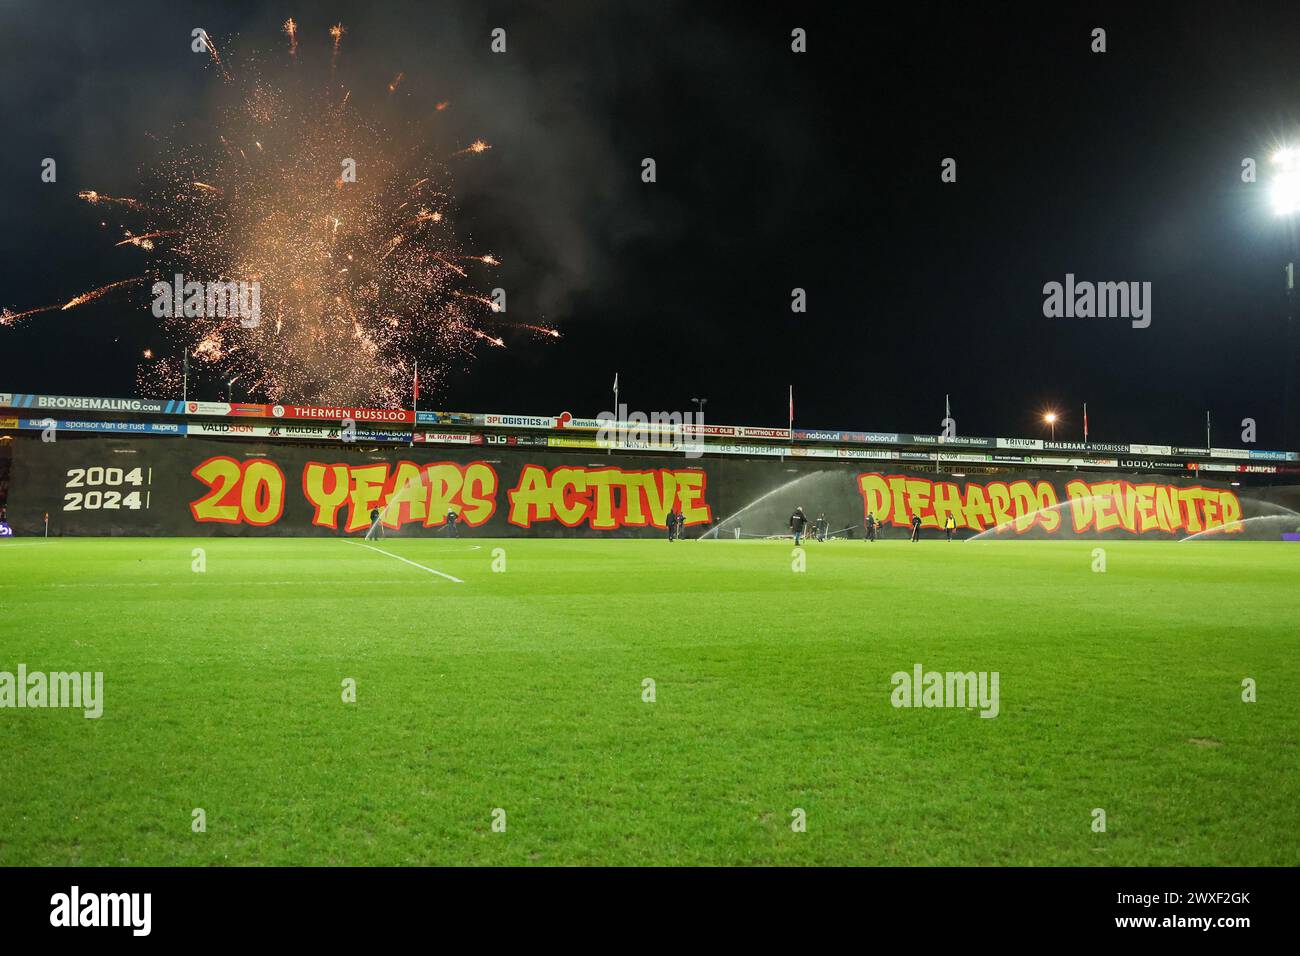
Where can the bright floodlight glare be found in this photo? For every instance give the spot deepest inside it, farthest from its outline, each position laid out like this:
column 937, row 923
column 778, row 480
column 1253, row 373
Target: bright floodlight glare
column 1285, row 189
column 1050, row 417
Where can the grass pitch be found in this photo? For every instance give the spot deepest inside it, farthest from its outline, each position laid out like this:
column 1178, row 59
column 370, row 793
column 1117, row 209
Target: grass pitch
column 523, row 691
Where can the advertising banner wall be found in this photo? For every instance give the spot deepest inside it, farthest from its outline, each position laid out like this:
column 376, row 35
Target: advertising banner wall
column 125, row 486
column 73, row 403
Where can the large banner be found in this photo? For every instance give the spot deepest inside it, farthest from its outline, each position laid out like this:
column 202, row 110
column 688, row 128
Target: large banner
column 159, row 486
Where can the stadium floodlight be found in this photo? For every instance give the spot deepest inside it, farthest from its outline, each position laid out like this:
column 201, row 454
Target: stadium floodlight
column 1285, row 189
column 1050, row 419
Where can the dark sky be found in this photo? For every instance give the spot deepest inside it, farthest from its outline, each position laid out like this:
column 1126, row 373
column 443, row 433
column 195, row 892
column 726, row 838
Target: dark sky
column 775, row 170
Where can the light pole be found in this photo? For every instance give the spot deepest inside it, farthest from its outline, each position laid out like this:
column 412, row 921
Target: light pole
column 699, row 420
column 1285, row 196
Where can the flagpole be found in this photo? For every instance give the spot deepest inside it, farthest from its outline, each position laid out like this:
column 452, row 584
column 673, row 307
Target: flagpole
column 789, row 429
column 1085, row 423
column 947, row 417
column 415, row 403
column 617, row 417
column 185, row 384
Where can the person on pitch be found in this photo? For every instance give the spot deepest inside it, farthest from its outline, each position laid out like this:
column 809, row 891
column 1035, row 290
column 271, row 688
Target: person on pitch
column 949, row 526
column 670, row 522
column 453, row 520
column 916, row 527
column 871, row 526
column 374, row 522
column 798, row 521
column 681, row 523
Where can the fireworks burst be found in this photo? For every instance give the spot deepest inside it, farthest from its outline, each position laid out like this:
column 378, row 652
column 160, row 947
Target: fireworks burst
column 347, row 230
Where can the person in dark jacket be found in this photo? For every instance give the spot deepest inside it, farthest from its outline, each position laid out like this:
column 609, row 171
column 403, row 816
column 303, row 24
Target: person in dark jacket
column 671, row 522
column 798, row 522
column 871, row 526
column 453, row 521
column 681, row 523
column 822, row 526
column 916, row 527
column 375, row 526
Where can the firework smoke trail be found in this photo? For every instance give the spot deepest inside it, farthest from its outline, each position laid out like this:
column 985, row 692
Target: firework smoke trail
column 480, row 299
column 357, row 274
column 336, row 32
column 216, row 57
column 96, row 293
column 8, row 318
column 499, row 343
column 90, row 196
column 144, row 241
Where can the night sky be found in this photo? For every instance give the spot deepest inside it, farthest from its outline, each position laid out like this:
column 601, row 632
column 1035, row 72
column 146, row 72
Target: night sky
column 775, row 170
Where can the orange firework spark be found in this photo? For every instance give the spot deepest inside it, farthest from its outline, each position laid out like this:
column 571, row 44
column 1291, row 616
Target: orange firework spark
column 481, row 300
column 397, row 81
column 96, row 293
column 291, row 31
column 216, row 57
column 144, row 241
column 443, row 105
column 499, row 343
column 337, row 32
column 11, row 318
column 93, row 197
column 209, row 188
column 478, row 146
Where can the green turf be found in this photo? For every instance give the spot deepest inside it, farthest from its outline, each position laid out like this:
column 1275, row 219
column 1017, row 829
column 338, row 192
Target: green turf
column 523, row 690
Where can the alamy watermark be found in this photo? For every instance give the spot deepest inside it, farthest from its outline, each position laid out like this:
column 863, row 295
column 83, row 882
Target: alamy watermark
column 210, row 300
column 40, row 689
column 1098, row 300
column 652, row 431
column 129, row 910
column 922, row 688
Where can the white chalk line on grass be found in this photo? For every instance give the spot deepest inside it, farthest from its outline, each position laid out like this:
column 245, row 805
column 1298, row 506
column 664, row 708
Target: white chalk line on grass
column 371, row 547
column 195, row 582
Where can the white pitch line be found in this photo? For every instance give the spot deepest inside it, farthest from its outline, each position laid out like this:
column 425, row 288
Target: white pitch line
column 407, row 560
